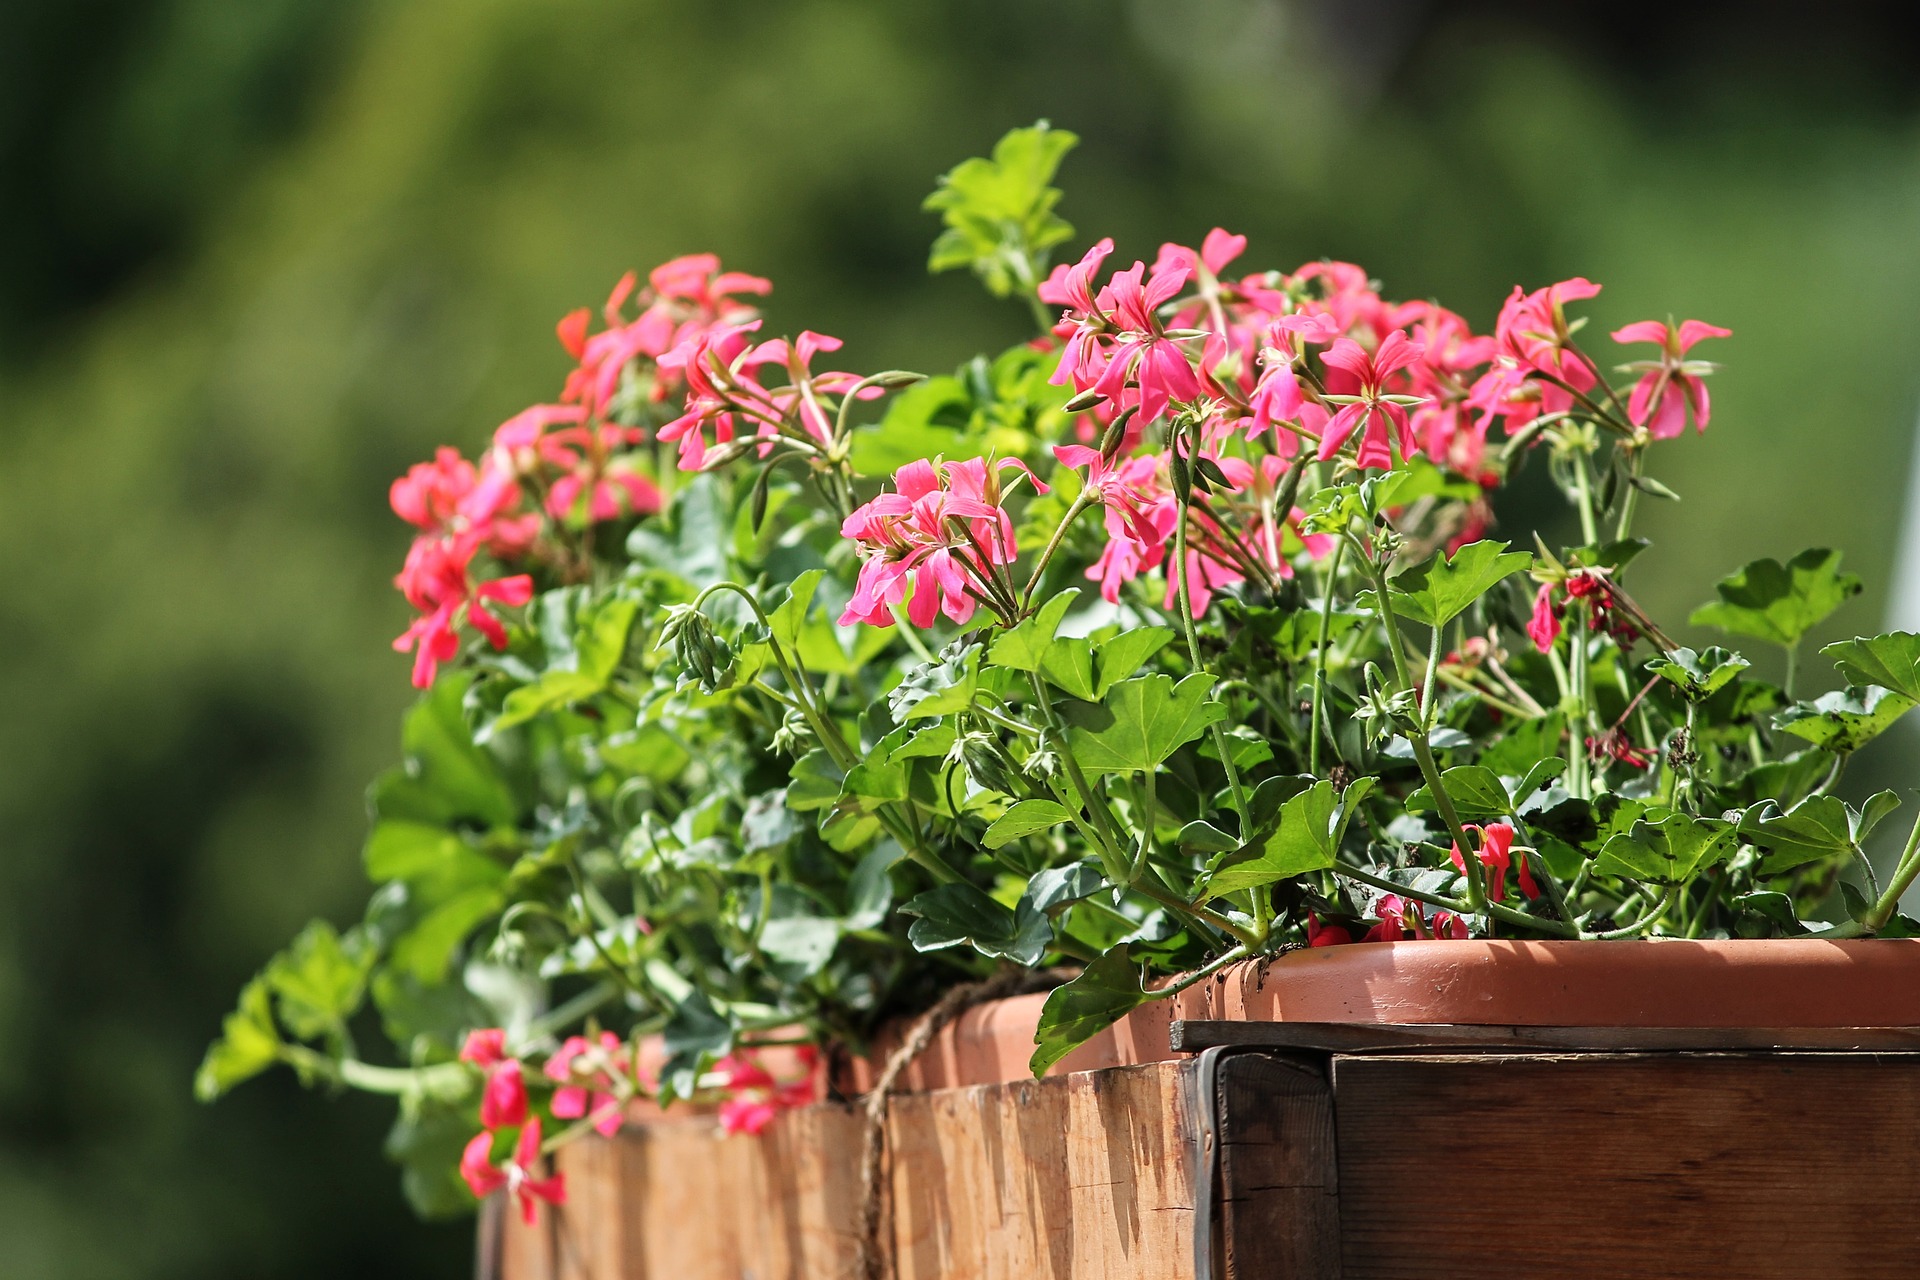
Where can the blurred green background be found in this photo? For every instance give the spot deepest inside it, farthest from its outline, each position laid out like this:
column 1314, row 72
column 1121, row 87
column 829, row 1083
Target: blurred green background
column 258, row 255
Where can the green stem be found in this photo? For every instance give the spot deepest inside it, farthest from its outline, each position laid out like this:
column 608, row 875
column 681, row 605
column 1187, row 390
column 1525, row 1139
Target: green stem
column 1146, row 829
column 443, row 1080
column 1417, row 737
column 1320, row 661
column 1904, row 872
column 1635, row 466
column 1645, row 922
column 1079, row 504
column 1193, row 654
column 1089, row 799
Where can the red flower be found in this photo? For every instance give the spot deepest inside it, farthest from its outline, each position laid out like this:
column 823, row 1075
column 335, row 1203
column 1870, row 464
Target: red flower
column 485, row 1048
column 1669, row 385
column 503, row 1103
column 519, row 1175
column 1496, row 854
column 1325, row 935
column 1543, row 628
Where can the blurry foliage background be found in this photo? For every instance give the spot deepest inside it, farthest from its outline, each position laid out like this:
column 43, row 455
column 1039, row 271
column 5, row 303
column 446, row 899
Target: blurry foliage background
column 258, row 255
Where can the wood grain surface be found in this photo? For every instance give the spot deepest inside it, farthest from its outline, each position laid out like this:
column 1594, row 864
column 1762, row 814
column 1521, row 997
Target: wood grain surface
column 1646, row 1166
column 1082, row 1176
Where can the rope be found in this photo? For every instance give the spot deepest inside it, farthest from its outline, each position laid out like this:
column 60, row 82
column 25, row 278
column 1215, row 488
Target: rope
column 1013, row 982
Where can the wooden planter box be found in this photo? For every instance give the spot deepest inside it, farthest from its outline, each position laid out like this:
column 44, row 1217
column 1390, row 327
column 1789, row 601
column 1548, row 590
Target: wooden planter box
column 1484, row 1109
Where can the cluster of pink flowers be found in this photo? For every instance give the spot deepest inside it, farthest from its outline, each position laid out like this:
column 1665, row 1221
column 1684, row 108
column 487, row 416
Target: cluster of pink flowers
column 1401, row 919
column 944, row 530
column 1603, row 613
column 579, row 459
column 503, row 1105
column 756, row 1095
column 1231, row 357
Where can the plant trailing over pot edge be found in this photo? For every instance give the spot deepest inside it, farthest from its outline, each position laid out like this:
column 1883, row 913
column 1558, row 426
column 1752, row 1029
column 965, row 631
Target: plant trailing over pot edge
column 1173, row 639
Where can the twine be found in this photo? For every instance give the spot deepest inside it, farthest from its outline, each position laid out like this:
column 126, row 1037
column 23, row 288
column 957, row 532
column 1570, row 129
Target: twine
column 1013, row 982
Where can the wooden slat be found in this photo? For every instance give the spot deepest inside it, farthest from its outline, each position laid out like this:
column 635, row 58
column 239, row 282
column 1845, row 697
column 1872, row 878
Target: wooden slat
column 1277, row 1186
column 1651, row 1166
column 1194, row 1035
column 1081, row 1176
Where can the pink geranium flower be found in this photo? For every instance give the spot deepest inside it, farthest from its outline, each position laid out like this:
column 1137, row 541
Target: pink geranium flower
column 757, row 1096
column 437, row 580
column 942, row 530
column 1543, row 627
column 587, row 1072
column 1670, row 385
column 1366, row 405
column 520, row 1175
column 1496, row 855
column 484, row 1048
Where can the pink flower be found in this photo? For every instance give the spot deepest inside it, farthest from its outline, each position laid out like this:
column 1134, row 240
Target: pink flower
column 684, row 297
column 1085, row 357
column 1532, row 330
column 757, row 1097
column 1366, row 405
column 437, row 580
column 1402, row 919
column 1543, row 628
column 1143, row 356
column 503, row 1103
column 586, row 1072
column 1667, row 386
column 726, row 389
column 1276, row 398
column 1216, row 251
column 450, row 495
column 942, row 529
column 486, row 1047
column 520, row 1175
column 1132, row 511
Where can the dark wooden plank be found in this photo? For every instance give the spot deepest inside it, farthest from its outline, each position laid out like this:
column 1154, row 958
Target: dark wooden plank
column 1193, row 1035
column 1655, row 1166
column 1276, row 1194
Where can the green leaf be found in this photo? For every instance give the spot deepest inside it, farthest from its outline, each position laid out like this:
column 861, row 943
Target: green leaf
column 1670, row 851
column 248, row 1045
column 1781, row 603
column 1440, row 590
column 1116, row 659
column 435, row 860
column 816, row 781
column 799, row 946
column 1818, row 829
column 692, row 541
column 1202, row 837
column 1025, row 644
column 1057, row 888
column 1891, row 661
column 999, row 213
column 1477, row 793
column 426, row 949
column 320, row 980
column 936, row 689
column 870, row 887
column 1312, row 825
column 426, row 1141
column 1775, row 909
column 1068, row 663
column 1699, row 675
column 1106, row 991
column 457, row 778
column 1141, row 722
column 1846, row 719
column 1025, row 819
column 695, row 1034
column 958, row 914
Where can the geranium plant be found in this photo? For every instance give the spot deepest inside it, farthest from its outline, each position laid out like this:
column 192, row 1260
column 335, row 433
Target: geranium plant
column 763, row 701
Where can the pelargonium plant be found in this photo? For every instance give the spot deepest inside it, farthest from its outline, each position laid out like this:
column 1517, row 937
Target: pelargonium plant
column 764, row 701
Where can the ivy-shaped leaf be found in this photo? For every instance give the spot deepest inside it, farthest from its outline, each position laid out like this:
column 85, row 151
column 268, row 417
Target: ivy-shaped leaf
column 953, row 915
column 1818, row 829
column 320, row 980
column 248, row 1045
column 1141, row 722
column 1477, row 793
column 1670, row 851
column 1441, row 589
column 1698, row 675
column 1023, row 645
column 1026, row 818
column 1846, row 719
column 1307, row 838
column 1891, row 661
column 1780, row 602
column 1106, row 991
column 999, row 212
